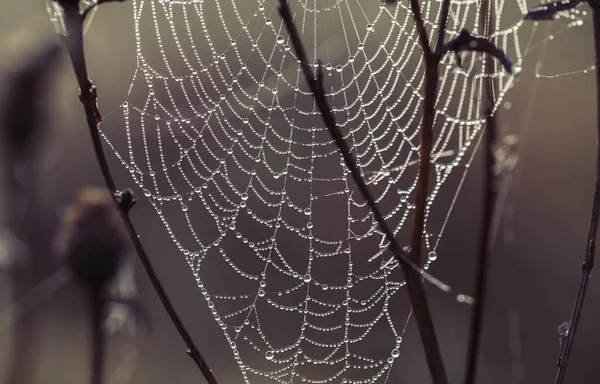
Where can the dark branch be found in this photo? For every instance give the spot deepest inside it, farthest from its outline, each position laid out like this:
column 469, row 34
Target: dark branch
column 590, row 252
column 123, row 200
column 548, row 12
column 465, row 41
column 442, row 25
column 413, row 279
column 420, row 26
column 489, row 201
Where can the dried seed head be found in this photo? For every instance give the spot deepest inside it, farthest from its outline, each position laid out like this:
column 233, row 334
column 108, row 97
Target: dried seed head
column 92, row 240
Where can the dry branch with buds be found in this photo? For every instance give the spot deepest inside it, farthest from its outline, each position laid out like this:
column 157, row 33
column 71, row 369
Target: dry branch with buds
column 123, row 200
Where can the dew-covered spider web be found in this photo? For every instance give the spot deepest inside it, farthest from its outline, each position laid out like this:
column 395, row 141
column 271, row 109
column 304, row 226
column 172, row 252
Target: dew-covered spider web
column 223, row 137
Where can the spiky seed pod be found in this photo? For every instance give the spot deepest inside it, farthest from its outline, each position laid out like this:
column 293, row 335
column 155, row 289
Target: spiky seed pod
column 92, row 241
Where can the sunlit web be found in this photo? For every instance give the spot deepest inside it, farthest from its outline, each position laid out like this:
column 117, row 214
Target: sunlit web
column 222, row 136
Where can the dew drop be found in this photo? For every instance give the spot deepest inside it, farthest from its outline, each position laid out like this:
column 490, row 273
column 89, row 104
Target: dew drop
column 307, row 278
column 244, row 196
column 432, row 256
column 395, row 353
column 269, row 355
column 307, row 211
column 280, row 39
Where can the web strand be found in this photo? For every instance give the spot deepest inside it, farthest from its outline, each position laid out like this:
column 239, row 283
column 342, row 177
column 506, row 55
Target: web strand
column 223, row 137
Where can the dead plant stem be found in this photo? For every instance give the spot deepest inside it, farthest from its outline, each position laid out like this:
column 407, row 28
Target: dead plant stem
column 74, row 41
column 489, row 201
column 588, row 262
column 413, row 279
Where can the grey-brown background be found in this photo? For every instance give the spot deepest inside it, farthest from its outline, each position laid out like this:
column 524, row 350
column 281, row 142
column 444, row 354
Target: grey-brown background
column 535, row 268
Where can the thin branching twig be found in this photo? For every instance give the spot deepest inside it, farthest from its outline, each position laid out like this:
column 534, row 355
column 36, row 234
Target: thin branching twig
column 489, row 201
column 432, row 58
column 413, row 279
column 549, row 11
column 124, row 200
column 588, row 262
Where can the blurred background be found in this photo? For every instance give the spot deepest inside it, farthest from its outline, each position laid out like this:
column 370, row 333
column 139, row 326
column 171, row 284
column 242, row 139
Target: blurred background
column 535, row 266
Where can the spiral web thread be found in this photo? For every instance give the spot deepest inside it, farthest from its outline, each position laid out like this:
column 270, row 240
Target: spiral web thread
column 223, row 137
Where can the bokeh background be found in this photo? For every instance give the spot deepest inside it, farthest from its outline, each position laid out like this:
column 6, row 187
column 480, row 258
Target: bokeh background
column 534, row 273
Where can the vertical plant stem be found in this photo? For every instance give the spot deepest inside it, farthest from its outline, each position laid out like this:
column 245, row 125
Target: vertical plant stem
column 429, row 337
column 413, row 279
column 588, row 262
column 74, row 41
column 489, row 200
column 431, row 60
column 424, row 169
column 98, row 340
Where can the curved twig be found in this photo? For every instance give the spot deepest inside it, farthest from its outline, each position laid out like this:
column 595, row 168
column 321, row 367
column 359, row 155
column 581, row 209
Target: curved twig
column 123, row 200
column 489, row 199
column 588, row 261
column 413, row 279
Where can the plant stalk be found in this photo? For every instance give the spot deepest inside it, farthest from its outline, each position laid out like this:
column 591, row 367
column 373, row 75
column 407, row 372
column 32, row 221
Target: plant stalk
column 588, row 262
column 414, row 282
column 74, row 41
column 489, row 200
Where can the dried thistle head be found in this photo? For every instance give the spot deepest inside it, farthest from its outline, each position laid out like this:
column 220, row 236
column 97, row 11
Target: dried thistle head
column 92, row 240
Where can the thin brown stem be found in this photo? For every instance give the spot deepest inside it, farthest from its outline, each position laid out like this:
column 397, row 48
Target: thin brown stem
column 74, row 41
column 424, row 168
column 414, row 283
column 442, row 25
column 420, row 26
column 588, row 262
column 489, row 200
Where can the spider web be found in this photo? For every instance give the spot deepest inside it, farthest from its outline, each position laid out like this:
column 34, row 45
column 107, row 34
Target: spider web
column 222, row 136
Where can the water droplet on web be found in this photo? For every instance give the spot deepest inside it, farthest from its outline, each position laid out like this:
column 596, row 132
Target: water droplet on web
column 369, row 27
column 307, row 211
column 280, row 39
column 147, row 193
column 268, row 22
column 395, row 353
column 244, row 196
column 307, row 278
column 269, row 355
column 431, row 256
